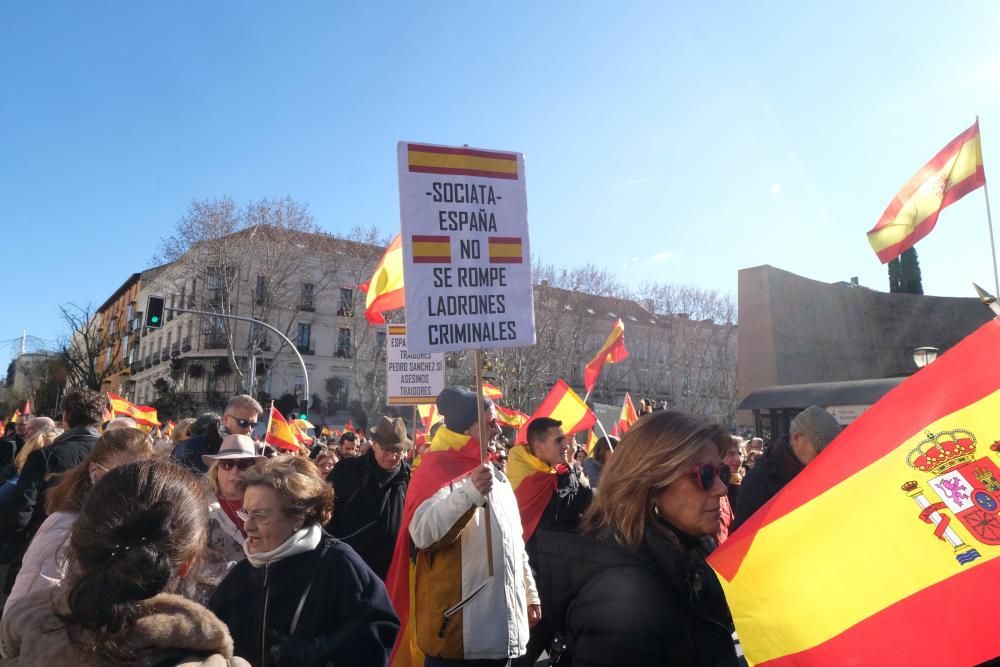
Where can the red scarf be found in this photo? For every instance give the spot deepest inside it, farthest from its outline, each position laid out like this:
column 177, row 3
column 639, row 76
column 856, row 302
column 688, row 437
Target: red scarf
column 230, row 507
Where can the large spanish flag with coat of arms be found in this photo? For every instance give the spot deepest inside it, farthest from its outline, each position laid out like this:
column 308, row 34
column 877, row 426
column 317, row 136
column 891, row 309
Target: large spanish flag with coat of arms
column 884, row 550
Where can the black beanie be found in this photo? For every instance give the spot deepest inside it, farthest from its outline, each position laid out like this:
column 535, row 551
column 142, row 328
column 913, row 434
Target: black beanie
column 458, row 405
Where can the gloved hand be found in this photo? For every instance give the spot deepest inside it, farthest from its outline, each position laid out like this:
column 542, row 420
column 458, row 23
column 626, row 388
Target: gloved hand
column 295, row 651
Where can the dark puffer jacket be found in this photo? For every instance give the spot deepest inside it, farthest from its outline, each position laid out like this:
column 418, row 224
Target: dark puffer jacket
column 368, row 508
column 659, row 604
column 340, row 611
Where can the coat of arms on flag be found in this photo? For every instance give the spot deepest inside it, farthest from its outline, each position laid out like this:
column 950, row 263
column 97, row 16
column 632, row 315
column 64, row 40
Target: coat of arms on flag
column 962, row 484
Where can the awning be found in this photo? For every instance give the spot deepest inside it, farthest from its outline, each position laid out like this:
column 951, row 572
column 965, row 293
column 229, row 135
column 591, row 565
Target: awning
column 823, row 394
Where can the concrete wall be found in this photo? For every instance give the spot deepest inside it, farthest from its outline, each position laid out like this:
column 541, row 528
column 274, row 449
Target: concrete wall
column 794, row 330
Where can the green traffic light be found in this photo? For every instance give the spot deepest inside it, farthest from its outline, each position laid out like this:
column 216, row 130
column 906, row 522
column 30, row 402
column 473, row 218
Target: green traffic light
column 154, row 319
column 302, row 415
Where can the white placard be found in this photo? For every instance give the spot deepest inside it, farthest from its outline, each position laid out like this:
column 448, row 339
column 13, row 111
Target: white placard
column 411, row 378
column 467, row 264
column 846, row 414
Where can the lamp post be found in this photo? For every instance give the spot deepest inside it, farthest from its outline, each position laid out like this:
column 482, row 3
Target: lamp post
column 924, row 355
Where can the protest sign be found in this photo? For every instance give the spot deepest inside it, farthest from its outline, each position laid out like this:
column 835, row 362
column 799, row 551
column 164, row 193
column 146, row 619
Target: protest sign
column 412, row 378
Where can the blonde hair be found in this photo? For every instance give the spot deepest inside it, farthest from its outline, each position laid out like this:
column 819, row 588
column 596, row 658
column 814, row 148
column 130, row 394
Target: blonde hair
column 36, row 442
column 305, row 494
column 183, row 430
column 654, row 452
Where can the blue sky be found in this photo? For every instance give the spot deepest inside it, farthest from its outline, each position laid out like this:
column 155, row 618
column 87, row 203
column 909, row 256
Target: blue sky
column 662, row 140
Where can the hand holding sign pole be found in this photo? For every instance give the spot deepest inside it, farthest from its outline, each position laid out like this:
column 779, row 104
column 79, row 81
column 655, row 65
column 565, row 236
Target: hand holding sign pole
column 464, row 227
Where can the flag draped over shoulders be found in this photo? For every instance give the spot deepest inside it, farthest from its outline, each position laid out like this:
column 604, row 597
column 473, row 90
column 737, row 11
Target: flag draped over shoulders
column 534, row 482
column 450, row 456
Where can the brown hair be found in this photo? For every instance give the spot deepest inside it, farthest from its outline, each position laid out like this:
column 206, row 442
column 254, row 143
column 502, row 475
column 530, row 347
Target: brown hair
column 305, row 494
column 74, row 485
column 139, row 525
column 654, row 452
column 83, row 407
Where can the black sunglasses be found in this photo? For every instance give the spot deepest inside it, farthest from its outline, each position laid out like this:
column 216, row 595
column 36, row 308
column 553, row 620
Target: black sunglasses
column 706, row 474
column 242, row 464
column 244, row 423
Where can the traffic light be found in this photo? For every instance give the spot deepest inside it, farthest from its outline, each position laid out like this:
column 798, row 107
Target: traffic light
column 154, row 312
column 303, row 408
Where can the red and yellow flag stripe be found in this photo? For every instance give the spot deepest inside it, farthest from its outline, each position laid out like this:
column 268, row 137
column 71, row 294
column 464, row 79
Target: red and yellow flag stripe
column 562, row 404
column 613, row 351
column 912, row 214
column 280, row 433
column 461, row 161
column 431, row 249
column 845, row 566
column 385, row 289
column 506, row 250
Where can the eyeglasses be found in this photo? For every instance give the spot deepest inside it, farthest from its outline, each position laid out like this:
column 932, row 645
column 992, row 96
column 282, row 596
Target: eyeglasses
column 244, row 423
column 393, row 451
column 242, row 464
column 706, row 474
column 258, row 516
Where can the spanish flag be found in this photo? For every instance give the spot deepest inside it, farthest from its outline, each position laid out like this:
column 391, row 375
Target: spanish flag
column 385, row 289
column 429, row 415
column 506, row 250
column 455, row 161
column 15, row 417
column 143, row 415
column 885, row 550
column 511, row 418
column 953, row 173
column 562, row 404
column 431, row 249
column 627, row 417
column 280, row 433
column 611, row 352
column 591, row 441
column 451, row 456
column 27, row 408
column 492, row 392
column 534, row 482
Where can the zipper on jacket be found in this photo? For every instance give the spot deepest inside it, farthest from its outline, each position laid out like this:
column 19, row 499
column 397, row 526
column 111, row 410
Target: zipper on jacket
column 263, row 618
column 450, row 612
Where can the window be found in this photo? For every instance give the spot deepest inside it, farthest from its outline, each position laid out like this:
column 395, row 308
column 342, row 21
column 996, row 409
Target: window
column 380, row 342
column 187, row 339
column 125, row 354
column 130, row 311
column 183, row 303
column 194, row 291
column 260, row 293
column 170, row 308
column 346, row 302
column 107, row 358
column 344, row 342
column 306, row 296
column 303, row 339
column 113, row 327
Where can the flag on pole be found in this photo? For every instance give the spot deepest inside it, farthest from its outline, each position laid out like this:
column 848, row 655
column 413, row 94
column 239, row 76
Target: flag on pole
column 280, row 433
column 591, row 441
column 611, row 352
column 534, row 482
column 627, row 417
column 385, row 289
column 14, row 418
column 562, row 404
column 884, row 550
column 953, row 173
column 143, row 415
column 349, row 426
column 491, row 392
column 27, row 408
column 511, row 418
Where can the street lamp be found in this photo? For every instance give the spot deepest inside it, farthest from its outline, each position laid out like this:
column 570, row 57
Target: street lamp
column 924, row 355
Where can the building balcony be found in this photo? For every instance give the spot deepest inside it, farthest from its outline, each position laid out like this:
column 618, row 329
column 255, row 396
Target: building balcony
column 304, row 349
column 343, row 353
column 156, row 360
column 175, row 349
column 186, row 345
column 164, row 355
column 308, row 307
column 215, row 342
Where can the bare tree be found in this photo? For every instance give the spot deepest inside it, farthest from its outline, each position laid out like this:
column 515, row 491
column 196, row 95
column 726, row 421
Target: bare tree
column 82, row 346
column 256, row 261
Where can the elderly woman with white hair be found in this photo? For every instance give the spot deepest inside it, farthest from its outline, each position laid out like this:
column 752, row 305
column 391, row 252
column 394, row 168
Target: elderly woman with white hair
column 226, row 532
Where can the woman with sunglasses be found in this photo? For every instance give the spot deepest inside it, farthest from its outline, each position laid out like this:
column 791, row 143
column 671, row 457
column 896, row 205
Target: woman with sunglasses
column 634, row 588
column 226, row 533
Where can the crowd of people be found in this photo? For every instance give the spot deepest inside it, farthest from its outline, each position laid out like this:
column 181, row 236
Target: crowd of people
column 210, row 547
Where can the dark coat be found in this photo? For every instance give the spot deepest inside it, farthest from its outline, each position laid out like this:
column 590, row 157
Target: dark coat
column 366, row 513
column 24, row 512
column 346, row 617
column 189, row 452
column 9, row 447
column 563, row 513
column 769, row 475
column 659, row 604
